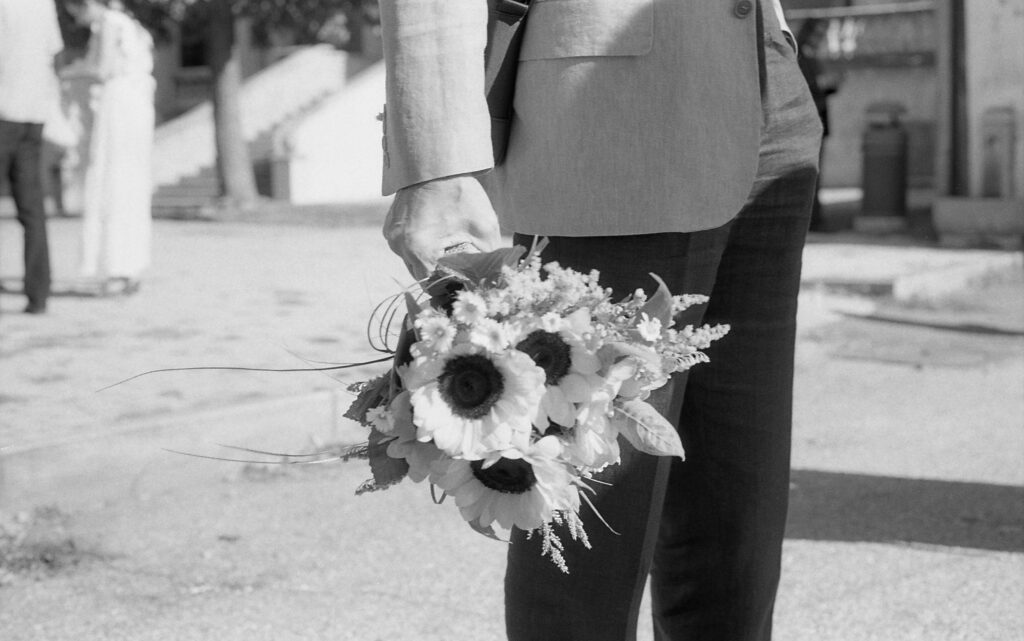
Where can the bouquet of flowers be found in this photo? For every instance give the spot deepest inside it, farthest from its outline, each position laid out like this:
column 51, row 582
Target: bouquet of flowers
column 509, row 390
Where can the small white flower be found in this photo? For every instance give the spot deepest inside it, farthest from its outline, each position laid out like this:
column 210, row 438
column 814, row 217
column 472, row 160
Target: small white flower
column 489, row 334
column 379, row 418
column 498, row 303
column 649, row 328
column 551, row 322
column 395, row 419
column 469, row 307
column 436, row 332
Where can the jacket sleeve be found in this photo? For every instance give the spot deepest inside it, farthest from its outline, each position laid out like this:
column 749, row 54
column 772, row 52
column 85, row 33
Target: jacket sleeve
column 436, row 121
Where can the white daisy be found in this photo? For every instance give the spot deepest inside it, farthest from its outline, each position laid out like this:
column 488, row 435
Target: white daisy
column 489, row 334
column 380, row 419
column 469, row 307
column 435, row 331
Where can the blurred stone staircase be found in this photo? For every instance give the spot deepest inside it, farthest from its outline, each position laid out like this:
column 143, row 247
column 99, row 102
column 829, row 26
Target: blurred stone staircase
column 191, row 194
column 184, row 157
column 187, row 197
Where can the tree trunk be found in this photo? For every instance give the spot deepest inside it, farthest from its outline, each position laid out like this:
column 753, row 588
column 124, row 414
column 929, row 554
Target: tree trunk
column 234, row 167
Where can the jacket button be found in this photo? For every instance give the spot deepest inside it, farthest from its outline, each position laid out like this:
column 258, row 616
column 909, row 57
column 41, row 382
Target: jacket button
column 743, row 8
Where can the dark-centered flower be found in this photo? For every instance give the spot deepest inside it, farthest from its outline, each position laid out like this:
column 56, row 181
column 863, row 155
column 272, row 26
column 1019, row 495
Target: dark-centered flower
column 471, row 385
column 550, row 352
column 471, row 401
column 511, row 476
column 521, row 488
column 565, row 349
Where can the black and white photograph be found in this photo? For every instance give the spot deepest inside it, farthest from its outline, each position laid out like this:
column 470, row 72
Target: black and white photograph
column 511, row 320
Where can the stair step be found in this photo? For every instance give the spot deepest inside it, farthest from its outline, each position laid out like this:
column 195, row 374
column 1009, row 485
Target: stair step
column 185, row 190
column 175, row 191
column 200, row 182
column 205, row 183
column 181, row 201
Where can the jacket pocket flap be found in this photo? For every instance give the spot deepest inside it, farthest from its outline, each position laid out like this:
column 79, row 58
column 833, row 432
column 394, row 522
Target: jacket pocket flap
column 577, row 28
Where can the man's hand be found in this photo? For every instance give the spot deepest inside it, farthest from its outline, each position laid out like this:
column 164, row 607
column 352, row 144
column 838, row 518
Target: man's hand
column 428, row 218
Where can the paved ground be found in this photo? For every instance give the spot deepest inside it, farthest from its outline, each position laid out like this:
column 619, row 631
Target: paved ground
column 270, row 296
column 907, row 517
column 231, row 295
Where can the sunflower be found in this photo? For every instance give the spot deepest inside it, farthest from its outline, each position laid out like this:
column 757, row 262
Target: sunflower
column 470, row 401
column 560, row 347
column 517, row 489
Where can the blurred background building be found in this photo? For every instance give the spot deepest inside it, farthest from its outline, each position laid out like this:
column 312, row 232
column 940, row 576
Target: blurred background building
column 951, row 73
column 309, row 97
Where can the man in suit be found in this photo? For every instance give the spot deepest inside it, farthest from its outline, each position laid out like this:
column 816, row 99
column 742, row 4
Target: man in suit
column 29, row 42
column 666, row 136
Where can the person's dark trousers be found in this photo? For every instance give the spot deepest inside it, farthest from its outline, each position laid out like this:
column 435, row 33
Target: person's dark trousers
column 20, row 160
column 713, row 525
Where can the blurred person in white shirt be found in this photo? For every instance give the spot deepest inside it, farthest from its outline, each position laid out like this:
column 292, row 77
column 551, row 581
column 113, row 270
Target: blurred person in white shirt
column 29, row 41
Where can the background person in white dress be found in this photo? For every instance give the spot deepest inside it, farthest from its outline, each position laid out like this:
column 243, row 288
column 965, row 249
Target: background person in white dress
column 116, row 218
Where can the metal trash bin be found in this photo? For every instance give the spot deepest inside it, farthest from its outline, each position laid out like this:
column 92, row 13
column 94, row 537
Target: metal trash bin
column 998, row 140
column 884, row 175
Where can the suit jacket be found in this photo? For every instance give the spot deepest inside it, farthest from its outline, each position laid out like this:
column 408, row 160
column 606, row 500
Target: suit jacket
column 631, row 116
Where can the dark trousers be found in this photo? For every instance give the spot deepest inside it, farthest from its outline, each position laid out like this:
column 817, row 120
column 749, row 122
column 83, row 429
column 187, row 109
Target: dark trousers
column 21, row 147
column 709, row 530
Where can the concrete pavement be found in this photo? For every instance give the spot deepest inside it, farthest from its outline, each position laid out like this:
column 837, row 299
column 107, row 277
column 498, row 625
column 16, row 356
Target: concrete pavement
column 907, row 517
column 283, row 297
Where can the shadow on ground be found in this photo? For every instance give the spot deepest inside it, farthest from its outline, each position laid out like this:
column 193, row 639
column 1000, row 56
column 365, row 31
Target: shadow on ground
column 828, row 506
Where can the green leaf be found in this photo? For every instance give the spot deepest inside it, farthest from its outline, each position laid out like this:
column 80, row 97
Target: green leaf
column 371, row 394
column 649, row 431
column 411, row 306
column 480, row 268
column 386, row 470
column 659, row 305
column 487, row 531
column 403, row 355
